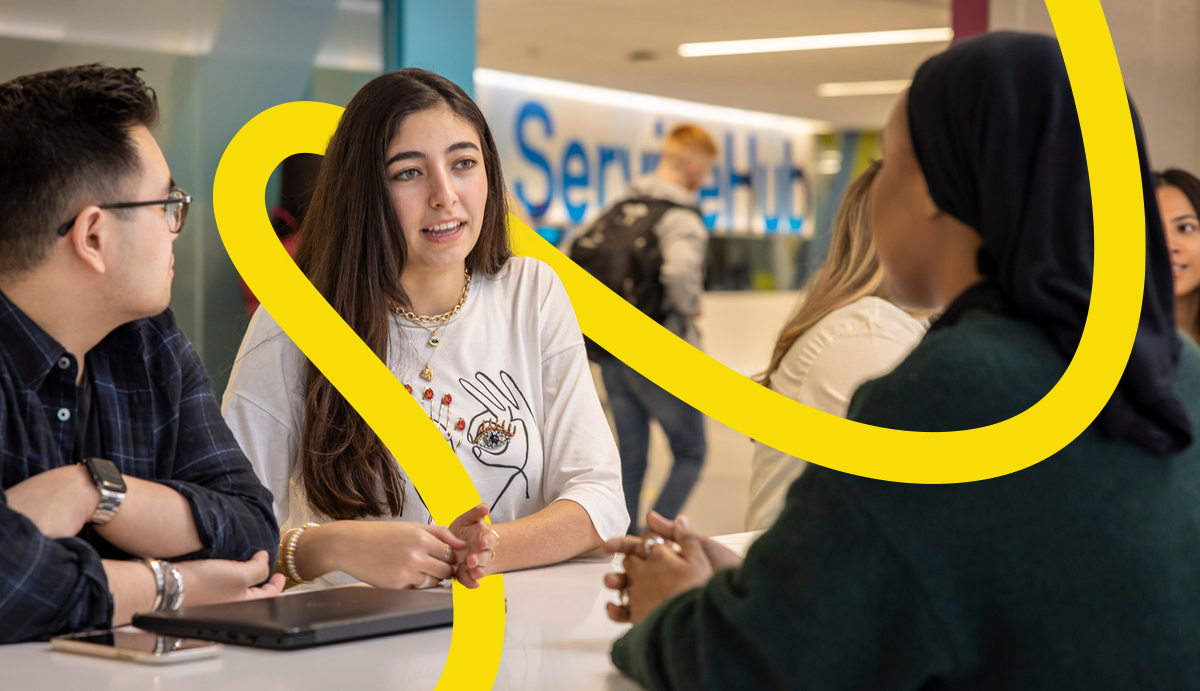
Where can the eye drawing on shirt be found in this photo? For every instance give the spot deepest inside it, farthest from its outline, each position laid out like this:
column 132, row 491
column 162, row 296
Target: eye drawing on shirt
column 499, row 436
column 493, row 435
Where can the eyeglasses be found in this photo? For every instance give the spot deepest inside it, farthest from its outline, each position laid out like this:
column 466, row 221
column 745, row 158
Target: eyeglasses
column 176, row 206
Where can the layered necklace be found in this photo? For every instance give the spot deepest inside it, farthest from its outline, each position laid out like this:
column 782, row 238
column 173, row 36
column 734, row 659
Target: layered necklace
column 438, row 321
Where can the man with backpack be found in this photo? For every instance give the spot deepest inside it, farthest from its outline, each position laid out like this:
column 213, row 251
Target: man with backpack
column 649, row 247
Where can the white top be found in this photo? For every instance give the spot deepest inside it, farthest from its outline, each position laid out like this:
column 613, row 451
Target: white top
column 512, row 359
column 824, row 367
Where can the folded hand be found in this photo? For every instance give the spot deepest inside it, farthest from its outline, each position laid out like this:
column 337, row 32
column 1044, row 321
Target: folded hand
column 480, row 542
column 720, row 556
column 655, row 571
column 385, row 554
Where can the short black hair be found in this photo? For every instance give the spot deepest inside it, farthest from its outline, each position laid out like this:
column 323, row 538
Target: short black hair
column 64, row 134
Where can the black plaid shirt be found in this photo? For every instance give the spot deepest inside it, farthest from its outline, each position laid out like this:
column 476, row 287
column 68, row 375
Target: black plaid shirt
column 158, row 420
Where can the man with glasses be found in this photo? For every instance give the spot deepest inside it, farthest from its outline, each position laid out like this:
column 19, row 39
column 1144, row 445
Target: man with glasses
column 111, row 442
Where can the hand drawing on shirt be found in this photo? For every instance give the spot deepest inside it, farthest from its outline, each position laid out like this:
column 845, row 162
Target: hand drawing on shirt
column 501, row 432
column 453, row 430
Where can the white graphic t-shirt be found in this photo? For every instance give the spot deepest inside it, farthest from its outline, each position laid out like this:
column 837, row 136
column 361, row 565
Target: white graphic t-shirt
column 511, row 393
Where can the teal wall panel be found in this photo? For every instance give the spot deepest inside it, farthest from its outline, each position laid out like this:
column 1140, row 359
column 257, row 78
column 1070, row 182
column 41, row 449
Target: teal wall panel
column 438, row 36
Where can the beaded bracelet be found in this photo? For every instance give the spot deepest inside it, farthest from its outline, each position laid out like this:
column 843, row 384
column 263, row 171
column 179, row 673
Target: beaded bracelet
column 282, row 554
column 289, row 560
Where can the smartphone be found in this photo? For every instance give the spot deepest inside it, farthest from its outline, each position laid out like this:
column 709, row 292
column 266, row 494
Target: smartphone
column 136, row 646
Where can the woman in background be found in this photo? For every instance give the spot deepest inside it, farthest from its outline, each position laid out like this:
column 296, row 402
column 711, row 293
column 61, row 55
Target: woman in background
column 844, row 332
column 1178, row 201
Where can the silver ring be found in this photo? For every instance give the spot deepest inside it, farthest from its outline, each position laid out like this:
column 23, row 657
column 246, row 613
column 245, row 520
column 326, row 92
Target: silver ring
column 652, row 542
column 446, row 556
column 625, row 598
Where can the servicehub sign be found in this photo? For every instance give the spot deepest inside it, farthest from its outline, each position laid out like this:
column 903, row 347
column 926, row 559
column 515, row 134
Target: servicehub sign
column 569, row 149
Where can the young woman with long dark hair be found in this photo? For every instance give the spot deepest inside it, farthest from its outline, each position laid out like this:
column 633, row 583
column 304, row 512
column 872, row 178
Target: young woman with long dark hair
column 406, row 237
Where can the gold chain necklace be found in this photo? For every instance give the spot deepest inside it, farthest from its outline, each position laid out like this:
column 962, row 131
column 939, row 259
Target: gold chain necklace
column 442, row 320
column 422, row 319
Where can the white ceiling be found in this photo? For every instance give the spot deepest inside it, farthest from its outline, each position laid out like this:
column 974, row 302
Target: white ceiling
column 591, row 41
column 587, row 41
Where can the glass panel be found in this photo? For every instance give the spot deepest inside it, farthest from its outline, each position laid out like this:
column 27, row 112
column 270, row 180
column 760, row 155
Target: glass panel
column 214, row 65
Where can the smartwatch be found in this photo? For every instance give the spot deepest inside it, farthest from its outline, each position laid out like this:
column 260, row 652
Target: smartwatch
column 111, row 486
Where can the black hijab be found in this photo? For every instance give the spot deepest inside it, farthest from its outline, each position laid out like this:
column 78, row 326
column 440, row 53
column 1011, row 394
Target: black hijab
column 996, row 133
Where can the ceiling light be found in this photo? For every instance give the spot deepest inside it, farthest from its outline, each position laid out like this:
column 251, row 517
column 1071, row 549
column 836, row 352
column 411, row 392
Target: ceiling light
column 660, row 105
column 822, row 41
column 371, row 7
column 890, row 87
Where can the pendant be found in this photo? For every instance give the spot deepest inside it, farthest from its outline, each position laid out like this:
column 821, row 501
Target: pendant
column 433, row 341
column 427, row 374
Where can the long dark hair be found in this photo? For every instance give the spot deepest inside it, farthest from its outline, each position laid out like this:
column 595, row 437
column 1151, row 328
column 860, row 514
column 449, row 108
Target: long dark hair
column 1190, row 186
column 352, row 249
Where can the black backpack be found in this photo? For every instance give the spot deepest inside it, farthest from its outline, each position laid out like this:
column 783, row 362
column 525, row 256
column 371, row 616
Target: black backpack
column 621, row 250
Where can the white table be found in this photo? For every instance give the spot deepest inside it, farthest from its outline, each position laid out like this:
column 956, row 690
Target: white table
column 557, row 636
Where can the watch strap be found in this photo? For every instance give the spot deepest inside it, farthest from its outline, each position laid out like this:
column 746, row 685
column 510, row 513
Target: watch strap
column 110, row 499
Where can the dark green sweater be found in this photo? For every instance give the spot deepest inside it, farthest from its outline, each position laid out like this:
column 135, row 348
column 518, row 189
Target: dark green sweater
column 1081, row 572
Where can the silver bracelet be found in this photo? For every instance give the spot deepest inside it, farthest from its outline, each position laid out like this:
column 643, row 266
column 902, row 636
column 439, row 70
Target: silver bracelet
column 159, row 582
column 179, row 580
column 173, row 598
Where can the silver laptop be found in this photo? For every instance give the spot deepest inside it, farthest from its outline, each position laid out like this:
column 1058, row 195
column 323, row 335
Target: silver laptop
column 306, row 619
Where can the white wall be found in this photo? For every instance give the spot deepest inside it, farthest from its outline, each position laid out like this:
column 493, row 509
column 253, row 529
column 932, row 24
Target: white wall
column 1158, row 46
column 739, row 330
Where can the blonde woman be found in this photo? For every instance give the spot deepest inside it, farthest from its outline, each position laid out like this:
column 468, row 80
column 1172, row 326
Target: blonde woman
column 844, row 332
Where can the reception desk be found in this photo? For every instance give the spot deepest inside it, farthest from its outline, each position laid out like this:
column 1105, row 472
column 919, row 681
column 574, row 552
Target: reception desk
column 557, row 637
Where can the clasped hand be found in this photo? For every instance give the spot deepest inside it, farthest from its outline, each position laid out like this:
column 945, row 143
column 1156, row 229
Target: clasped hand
column 399, row 554
column 666, row 560
column 474, row 559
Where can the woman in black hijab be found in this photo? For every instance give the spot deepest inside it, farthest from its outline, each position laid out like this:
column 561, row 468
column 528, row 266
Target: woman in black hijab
column 1082, row 571
column 1016, row 174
